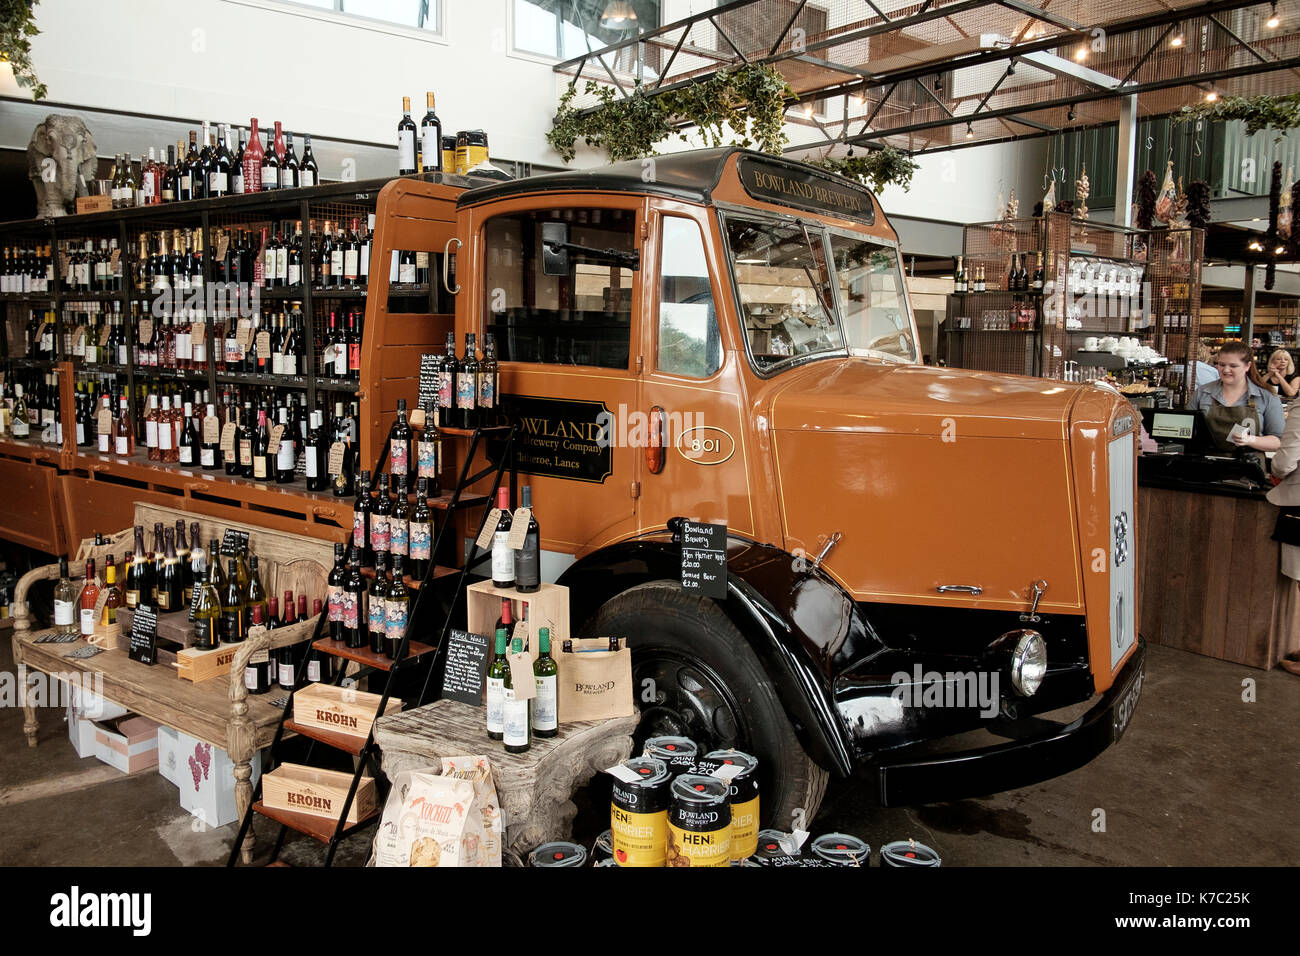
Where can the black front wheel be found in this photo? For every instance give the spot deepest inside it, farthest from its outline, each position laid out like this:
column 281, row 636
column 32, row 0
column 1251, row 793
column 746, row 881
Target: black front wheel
column 695, row 675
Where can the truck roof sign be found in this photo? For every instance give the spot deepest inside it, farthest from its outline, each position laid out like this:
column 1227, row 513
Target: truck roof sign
column 801, row 187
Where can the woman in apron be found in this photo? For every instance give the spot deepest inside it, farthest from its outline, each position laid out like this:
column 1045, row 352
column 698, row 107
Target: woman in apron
column 1244, row 415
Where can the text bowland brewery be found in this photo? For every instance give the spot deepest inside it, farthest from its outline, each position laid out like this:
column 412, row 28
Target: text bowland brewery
column 593, row 688
column 810, row 191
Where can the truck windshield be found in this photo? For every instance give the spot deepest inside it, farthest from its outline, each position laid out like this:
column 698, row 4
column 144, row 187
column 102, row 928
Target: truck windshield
column 786, row 304
column 876, row 319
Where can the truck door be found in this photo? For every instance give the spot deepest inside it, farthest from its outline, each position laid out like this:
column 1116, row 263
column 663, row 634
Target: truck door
column 692, row 391
column 567, row 362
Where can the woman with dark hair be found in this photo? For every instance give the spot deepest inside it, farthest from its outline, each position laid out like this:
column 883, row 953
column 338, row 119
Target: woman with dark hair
column 1243, row 413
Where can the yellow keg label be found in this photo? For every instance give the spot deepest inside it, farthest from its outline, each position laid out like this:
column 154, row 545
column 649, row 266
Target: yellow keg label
column 462, row 158
column 744, row 829
column 640, row 839
column 449, row 161
column 697, row 848
column 475, row 155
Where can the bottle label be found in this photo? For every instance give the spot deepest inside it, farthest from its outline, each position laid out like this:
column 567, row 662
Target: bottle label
column 208, row 457
column 295, row 273
column 503, row 558
column 527, row 561
column 187, row 454
column 306, row 177
column 334, row 599
column 359, row 529
column 378, row 619
column 151, row 434
column 379, row 532
column 465, row 391
column 282, row 264
column 406, row 149
column 285, row 460
column 398, row 451
column 270, row 177
column 259, row 466
column 431, row 148
column 217, row 182
column 336, row 262
column 203, row 631
column 354, row 357
column 231, row 626
column 87, row 621
column 351, row 610
column 286, row 675
column 341, row 362
column 350, row 264
column 487, row 391
column 398, row 536
column 427, row 465
column 120, row 444
column 421, row 541
column 310, row 455
column 444, row 390
column 313, row 671
column 250, row 677
column 102, row 439
column 288, row 365
column 544, row 712
column 515, row 718
column 165, row 437
column 63, row 616
column 496, row 690
column 237, row 182
column 246, row 454
column 406, row 273
column 395, row 626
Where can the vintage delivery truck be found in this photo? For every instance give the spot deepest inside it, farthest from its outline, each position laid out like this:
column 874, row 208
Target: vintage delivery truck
column 915, row 555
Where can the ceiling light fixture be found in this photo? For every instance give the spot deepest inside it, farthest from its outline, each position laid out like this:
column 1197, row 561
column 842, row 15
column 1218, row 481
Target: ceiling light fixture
column 1211, row 96
column 1279, row 250
column 618, row 15
column 1081, row 54
column 807, row 110
column 1070, row 115
column 938, row 84
column 970, row 133
column 1273, row 20
column 1011, row 68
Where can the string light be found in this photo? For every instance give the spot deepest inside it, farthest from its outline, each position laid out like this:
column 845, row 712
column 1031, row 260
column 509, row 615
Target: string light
column 970, row 133
column 1081, row 54
column 1273, row 20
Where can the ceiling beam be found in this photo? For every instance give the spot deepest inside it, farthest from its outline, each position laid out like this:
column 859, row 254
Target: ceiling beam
column 1040, row 13
column 1060, row 66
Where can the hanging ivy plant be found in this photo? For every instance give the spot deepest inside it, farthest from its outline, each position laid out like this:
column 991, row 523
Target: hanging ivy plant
column 745, row 106
column 17, row 27
column 876, row 168
column 1261, row 112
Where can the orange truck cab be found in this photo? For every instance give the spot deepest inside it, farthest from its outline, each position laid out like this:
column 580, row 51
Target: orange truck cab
column 913, row 553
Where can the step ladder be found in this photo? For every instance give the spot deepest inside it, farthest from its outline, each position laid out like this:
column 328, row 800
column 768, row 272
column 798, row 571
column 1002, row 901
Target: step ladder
column 410, row 654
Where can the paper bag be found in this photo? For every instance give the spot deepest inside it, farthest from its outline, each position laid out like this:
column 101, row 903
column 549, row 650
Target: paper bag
column 478, row 771
column 430, row 820
column 595, row 682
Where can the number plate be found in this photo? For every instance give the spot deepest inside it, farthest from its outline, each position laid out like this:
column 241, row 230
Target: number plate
column 1127, row 703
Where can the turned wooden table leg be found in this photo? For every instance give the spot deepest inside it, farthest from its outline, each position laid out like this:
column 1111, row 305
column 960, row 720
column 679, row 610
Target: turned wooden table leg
column 31, row 726
column 240, row 735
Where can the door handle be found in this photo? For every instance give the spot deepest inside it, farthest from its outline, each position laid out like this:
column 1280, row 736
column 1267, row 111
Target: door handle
column 446, row 266
column 960, row 588
column 655, row 453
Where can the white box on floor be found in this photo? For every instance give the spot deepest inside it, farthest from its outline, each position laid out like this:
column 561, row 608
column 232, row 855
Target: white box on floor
column 128, row 743
column 89, row 704
column 81, row 732
column 170, row 760
column 205, row 776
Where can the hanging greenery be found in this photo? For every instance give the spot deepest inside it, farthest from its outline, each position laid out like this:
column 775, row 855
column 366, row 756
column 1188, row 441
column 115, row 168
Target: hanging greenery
column 1265, row 111
column 876, row 168
column 17, row 27
column 749, row 103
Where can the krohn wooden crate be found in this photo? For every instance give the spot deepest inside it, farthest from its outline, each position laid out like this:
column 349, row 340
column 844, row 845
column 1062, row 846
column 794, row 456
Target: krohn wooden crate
column 343, row 710
column 320, row 793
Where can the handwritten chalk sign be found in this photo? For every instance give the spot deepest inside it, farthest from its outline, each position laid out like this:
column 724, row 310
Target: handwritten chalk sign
column 430, row 366
column 233, row 541
column 144, row 635
column 465, row 671
column 704, row 559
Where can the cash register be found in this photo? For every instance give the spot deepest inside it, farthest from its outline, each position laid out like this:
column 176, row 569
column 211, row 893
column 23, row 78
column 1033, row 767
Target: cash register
column 1186, row 451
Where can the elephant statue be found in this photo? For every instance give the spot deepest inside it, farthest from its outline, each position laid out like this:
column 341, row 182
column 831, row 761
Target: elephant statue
column 61, row 163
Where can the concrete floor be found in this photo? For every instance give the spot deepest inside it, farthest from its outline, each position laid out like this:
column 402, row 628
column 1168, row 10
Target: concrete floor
column 1200, row 778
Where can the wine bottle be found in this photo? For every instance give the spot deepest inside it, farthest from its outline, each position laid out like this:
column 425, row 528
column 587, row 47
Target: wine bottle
column 528, row 558
column 219, row 165
column 286, row 458
column 89, row 598
column 447, row 417
column 183, row 557
column 428, row 451
column 270, row 166
column 134, row 570
column 430, row 140
column 260, row 668
column 233, row 610
column 488, row 381
column 1038, row 275
column 170, row 592
column 115, row 597
column 397, row 608
column 254, row 591
column 399, row 442
column 405, row 140
column 334, row 592
column 420, row 544
column 354, row 604
column 516, row 713
column 380, row 527
column 207, row 611
column 308, row 171
column 377, row 622
column 546, row 674
column 503, row 557
column 289, row 165
column 361, row 508
column 65, row 602
column 496, row 677
column 467, row 385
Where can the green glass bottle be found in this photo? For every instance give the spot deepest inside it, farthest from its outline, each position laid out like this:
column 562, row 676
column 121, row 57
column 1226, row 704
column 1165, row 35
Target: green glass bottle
column 207, row 611
column 545, row 717
column 254, row 595
column 496, row 675
column 232, row 607
column 516, row 715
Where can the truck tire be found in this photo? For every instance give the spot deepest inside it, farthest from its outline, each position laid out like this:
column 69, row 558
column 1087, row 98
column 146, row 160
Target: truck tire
column 709, row 686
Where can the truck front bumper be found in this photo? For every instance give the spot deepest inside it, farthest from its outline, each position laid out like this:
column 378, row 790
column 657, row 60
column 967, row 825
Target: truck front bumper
column 902, row 777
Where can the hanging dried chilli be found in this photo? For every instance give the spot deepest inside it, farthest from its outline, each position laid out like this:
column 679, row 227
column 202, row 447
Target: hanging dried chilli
column 1146, row 200
column 1198, row 204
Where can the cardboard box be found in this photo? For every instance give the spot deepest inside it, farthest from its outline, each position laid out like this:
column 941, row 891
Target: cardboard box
column 207, row 786
column 81, row 732
column 94, row 204
column 128, row 743
column 320, row 793
column 343, row 710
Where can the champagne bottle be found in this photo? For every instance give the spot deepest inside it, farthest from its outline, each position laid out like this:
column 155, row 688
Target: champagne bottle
column 546, row 674
column 516, row 714
column 497, row 671
column 170, row 593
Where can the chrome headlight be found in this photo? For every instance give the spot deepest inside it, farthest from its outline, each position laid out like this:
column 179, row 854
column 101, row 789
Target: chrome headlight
column 1028, row 661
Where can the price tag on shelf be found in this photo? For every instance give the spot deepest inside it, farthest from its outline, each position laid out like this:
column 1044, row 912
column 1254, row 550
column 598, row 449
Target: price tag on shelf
column 519, row 528
column 198, row 331
column 104, row 423
column 223, row 243
column 263, row 343
column 521, row 675
column 211, row 430
column 145, row 327
column 104, row 333
column 277, row 433
column 335, row 463
column 489, row 528
column 228, row 439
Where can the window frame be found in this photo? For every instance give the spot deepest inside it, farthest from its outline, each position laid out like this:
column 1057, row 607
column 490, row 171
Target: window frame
column 870, row 353
column 701, row 227
column 334, row 14
column 535, row 57
column 794, row 361
column 565, row 201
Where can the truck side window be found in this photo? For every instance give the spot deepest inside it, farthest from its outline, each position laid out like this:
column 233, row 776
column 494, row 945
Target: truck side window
column 871, row 287
column 584, row 318
column 688, row 341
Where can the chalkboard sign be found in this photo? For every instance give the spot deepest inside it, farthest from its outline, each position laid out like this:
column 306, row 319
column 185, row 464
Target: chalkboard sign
column 466, row 667
column 704, row 559
column 430, row 366
column 144, row 635
column 232, row 542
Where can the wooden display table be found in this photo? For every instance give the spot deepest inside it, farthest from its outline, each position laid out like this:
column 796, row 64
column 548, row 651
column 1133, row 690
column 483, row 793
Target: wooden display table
column 535, row 789
column 218, row 711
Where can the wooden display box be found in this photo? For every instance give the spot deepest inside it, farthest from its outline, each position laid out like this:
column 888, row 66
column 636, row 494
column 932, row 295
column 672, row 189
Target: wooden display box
column 342, row 710
column 195, row 665
column 320, row 793
column 87, row 204
column 548, row 607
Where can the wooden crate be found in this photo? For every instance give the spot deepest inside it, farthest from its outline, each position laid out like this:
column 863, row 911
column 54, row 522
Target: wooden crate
column 320, row 793
column 197, row 666
column 342, row 710
column 548, row 607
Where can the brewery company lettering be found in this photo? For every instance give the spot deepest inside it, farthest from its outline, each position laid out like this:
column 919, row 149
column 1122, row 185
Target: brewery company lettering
column 805, row 188
column 816, row 192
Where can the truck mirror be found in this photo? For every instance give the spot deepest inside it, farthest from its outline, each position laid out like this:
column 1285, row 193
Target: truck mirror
column 555, row 252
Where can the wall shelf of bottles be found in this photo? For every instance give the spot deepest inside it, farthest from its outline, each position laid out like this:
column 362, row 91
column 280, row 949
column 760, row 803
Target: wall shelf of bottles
column 255, row 299
column 1098, row 280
